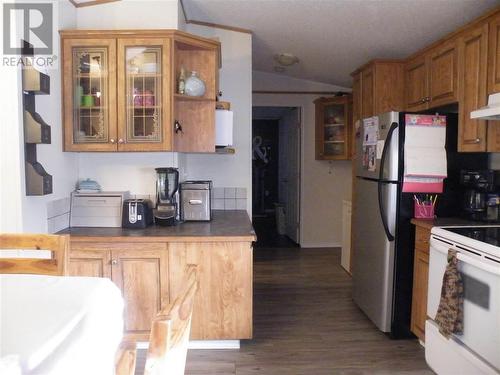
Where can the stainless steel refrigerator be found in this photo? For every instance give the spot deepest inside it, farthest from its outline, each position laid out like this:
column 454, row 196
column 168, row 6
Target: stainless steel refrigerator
column 383, row 235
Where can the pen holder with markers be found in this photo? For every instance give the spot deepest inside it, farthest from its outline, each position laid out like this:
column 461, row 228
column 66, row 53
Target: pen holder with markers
column 424, row 207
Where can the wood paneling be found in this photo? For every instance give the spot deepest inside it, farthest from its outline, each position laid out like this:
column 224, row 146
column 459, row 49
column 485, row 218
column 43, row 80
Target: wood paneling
column 198, row 126
column 416, row 84
column 141, row 272
column 442, row 71
column 223, row 306
column 367, row 92
column 91, row 263
column 494, row 55
column 420, row 282
column 389, row 87
column 473, row 55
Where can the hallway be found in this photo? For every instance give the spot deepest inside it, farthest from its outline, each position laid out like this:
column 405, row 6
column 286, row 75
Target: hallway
column 306, row 323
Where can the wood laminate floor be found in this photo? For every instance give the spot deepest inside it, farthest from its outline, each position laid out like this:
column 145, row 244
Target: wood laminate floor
column 306, row 323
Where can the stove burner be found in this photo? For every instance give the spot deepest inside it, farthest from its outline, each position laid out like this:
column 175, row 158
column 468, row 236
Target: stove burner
column 489, row 235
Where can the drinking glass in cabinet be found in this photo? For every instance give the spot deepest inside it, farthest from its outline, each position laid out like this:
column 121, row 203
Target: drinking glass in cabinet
column 143, row 90
column 90, row 77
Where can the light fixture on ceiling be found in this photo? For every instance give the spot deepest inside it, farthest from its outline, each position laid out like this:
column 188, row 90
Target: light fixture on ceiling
column 286, row 59
column 279, row 69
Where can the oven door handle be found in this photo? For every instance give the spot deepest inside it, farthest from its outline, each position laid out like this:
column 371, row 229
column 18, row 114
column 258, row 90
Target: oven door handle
column 479, row 264
column 469, row 260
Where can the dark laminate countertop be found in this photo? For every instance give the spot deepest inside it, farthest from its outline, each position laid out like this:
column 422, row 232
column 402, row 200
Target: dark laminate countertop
column 232, row 225
column 445, row 222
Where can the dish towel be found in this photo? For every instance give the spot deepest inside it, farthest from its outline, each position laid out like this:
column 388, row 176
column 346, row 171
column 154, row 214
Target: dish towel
column 449, row 317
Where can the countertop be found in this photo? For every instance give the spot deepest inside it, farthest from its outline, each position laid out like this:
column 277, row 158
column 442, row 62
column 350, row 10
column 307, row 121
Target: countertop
column 446, row 222
column 234, row 225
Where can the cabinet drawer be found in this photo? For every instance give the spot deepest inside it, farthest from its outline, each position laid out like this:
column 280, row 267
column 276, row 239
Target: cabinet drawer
column 100, row 201
column 422, row 237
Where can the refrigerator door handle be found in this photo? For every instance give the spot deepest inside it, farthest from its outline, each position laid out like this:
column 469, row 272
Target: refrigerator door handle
column 387, row 142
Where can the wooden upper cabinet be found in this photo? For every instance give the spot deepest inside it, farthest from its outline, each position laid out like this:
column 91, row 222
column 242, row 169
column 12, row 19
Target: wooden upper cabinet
column 473, row 54
column 144, row 76
column 494, row 55
column 333, row 128
column 120, row 91
column 416, row 84
column 367, row 92
column 89, row 94
column 442, row 75
column 195, row 116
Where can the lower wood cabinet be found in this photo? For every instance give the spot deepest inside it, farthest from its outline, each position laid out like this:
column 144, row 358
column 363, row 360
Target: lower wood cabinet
column 140, row 270
column 420, row 282
column 151, row 274
column 223, row 305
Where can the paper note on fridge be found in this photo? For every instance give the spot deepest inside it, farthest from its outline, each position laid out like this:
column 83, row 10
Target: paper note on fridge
column 370, row 131
column 425, row 162
column 425, row 154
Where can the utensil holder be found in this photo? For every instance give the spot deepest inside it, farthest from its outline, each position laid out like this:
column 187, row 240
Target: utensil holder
column 423, row 210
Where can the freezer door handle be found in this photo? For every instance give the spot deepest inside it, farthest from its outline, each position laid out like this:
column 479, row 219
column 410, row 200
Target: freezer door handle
column 381, row 181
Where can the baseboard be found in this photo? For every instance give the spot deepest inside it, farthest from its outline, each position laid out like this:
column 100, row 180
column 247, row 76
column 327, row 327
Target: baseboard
column 201, row 344
column 305, row 245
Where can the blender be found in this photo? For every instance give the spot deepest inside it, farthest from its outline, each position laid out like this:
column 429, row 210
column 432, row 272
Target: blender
column 167, row 183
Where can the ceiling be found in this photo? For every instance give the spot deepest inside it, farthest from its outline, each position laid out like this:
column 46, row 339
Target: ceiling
column 333, row 37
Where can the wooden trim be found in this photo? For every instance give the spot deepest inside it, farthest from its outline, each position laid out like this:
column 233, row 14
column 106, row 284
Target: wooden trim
column 91, row 3
column 220, row 26
column 177, row 35
column 56, row 265
column 300, row 92
column 377, row 61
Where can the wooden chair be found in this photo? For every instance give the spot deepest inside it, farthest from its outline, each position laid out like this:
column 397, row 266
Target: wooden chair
column 169, row 336
column 56, row 266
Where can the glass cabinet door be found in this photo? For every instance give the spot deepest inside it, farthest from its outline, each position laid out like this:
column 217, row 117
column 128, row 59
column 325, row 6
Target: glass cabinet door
column 89, row 94
column 142, row 87
column 334, row 128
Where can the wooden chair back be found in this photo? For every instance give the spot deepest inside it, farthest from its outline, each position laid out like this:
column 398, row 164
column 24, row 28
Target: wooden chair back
column 56, row 265
column 170, row 331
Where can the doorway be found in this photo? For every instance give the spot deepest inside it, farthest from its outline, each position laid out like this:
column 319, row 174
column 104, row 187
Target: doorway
column 276, row 175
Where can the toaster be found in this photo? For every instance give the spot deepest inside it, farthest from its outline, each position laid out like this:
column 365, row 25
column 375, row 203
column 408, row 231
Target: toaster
column 137, row 213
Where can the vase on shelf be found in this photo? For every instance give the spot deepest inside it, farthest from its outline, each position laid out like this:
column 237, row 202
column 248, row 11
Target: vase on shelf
column 194, row 86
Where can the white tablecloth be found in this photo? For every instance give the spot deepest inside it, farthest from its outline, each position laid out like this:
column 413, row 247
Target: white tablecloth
column 59, row 325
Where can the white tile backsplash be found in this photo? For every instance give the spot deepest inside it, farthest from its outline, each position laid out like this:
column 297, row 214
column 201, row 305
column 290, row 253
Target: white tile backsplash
column 241, row 193
column 229, row 193
column 229, row 198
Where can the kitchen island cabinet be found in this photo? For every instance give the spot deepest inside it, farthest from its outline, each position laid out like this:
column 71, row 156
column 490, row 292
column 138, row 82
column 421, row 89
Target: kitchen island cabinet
column 149, row 267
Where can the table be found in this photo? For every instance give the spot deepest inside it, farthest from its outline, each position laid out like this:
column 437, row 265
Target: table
column 59, row 325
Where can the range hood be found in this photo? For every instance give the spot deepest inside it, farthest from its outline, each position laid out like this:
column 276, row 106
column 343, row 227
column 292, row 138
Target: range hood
column 491, row 111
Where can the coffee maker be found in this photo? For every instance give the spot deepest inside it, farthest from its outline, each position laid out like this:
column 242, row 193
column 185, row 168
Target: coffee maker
column 481, row 194
column 167, row 183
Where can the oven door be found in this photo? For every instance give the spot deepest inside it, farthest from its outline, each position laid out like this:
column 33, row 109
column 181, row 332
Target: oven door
column 481, row 277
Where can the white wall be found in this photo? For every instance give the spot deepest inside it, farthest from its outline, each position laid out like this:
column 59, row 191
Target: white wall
column 20, row 212
column 236, row 85
column 324, row 184
column 130, row 14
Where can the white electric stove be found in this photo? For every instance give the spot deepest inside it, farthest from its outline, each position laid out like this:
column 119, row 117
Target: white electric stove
column 477, row 351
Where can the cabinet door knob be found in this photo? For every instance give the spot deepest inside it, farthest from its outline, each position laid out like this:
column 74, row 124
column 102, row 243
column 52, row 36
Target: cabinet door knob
column 112, row 140
column 114, row 262
column 120, row 140
column 428, row 99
